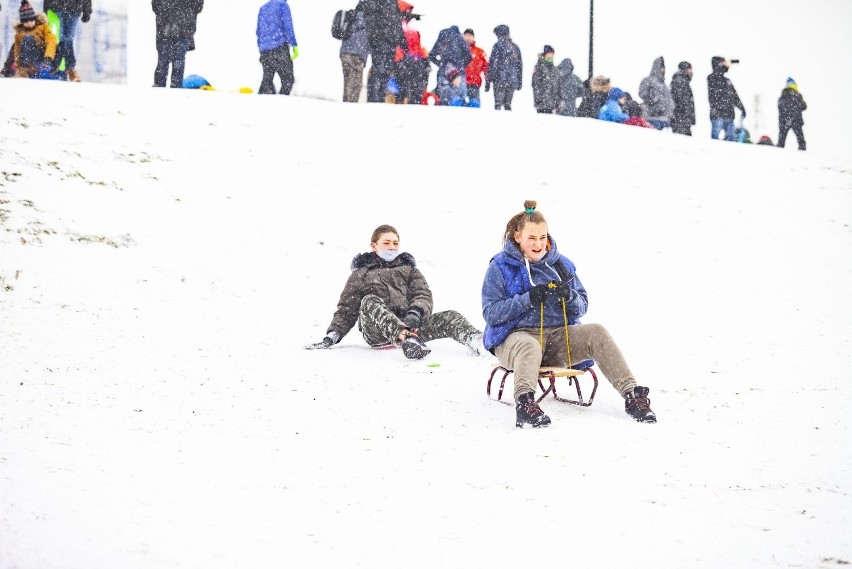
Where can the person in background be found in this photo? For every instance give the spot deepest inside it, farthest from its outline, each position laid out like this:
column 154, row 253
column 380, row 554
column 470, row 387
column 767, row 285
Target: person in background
column 69, row 12
column 353, row 58
column 790, row 107
column 545, row 83
column 532, row 302
column 176, row 22
column 634, row 112
column 390, row 300
column 34, row 47
column 596, row 95
column 505, row 69
column 570, row 88
column 384, row 34
column 276, row 41
column 450, row 49
column 723, row 98
column 412, row 65
column 613, row 110
column 683, row 116
column 657, row 101
column 475, row 71
column 450, row 90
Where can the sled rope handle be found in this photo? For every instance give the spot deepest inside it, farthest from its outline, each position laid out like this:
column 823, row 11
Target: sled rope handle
column 565, row 320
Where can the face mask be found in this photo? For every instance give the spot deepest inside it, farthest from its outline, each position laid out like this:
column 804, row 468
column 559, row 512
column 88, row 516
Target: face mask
column 548, row 59
column 387, row 255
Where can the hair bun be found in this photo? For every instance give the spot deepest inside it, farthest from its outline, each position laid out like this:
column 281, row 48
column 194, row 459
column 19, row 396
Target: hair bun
column 529, row 206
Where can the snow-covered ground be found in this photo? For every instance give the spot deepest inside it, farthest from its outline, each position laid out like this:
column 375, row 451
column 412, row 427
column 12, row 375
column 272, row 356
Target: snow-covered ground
column 165, row 255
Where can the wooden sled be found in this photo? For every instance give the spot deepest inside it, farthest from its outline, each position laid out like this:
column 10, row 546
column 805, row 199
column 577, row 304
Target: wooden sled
column 550, row 374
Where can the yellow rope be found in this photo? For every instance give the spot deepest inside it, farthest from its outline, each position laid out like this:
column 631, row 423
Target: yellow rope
column 541, row 329
column 565, row 320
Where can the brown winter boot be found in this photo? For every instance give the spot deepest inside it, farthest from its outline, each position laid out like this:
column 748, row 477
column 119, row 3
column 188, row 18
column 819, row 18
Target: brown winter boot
column 73, row 75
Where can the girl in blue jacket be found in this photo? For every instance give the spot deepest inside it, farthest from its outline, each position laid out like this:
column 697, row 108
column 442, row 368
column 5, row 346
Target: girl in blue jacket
column 531, row 293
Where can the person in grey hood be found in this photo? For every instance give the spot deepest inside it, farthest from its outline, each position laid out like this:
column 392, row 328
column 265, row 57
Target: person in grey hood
column 390, row 300
column 570, row 88
column 532, row 302
column 657, row 102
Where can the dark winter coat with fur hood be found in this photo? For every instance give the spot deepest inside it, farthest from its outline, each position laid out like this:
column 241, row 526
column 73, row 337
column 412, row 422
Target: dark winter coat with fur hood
column 399, row 283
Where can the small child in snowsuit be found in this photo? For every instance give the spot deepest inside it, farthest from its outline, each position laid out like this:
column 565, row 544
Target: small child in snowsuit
column 451, row 92
column 34, row 47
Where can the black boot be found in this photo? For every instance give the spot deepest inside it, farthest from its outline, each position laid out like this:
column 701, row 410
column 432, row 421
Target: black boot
column 528, row 411
column 638, row 406
column 414, row 348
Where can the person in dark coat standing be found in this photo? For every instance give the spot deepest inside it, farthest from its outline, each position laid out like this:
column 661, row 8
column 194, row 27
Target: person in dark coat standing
column 176, row 21
column 353, row 57
column 683, row 116
column 505, row 69
column 723, row 98
column 450, row 49
column 275, row 40
column 69, row 13
column 570, row 88
column 545, row 83
column 790, row 107
column 384, row 33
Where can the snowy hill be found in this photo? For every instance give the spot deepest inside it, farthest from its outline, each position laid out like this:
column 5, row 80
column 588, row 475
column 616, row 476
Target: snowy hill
column 164, row 256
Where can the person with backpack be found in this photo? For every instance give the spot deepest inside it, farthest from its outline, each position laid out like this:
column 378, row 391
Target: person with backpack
column 176, row 22
column 532, row 302
column 353, row 53
column 505, row 69
column 545, row 83
column 276, row 41
column 69, row 12
column 790, row 107
column 384, row 34
column 683, row 116
column 390, row 300
column 34, row 46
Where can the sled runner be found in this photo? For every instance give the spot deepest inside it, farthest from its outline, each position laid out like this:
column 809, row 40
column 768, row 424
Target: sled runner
column 550, row 374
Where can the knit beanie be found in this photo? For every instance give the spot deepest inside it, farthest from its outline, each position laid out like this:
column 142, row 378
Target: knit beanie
column 26, row 11
column 791, row 83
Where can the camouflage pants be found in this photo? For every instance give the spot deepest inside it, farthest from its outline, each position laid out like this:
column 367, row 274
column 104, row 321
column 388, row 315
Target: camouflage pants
column 380, row 326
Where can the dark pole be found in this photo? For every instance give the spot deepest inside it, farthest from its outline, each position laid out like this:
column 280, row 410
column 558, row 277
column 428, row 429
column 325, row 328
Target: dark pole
column 591, row 38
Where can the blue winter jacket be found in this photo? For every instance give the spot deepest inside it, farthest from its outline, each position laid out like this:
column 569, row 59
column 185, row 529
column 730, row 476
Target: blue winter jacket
column 275, row 26
column 506, row 301
column 450, row 48
column 611, row 111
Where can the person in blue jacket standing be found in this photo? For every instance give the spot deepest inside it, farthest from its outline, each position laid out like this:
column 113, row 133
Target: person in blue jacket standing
column 532, row 302
column 276, row 41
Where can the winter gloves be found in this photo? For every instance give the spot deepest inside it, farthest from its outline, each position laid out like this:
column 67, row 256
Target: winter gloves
column 539, row 293
column 86, row 17
column 295, row 53
column 330, row 339
column 412, row 318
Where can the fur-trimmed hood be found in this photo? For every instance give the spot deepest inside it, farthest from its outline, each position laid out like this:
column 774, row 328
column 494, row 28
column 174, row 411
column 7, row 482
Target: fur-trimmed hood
column 372, row 260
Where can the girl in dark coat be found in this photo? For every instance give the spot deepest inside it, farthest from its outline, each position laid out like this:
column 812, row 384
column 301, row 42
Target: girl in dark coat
column 790, row 107
column 390, row 300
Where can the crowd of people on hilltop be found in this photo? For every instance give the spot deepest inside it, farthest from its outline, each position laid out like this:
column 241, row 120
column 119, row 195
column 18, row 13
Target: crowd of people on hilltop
column 384, row 32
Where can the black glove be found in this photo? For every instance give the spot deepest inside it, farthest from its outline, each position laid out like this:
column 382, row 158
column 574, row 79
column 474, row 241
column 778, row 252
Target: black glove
column 743, row 115
column 86, row 17
column 538, row 293
column 487, row 87
column 564, row 290
column 326, row 342
column 412, row 319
